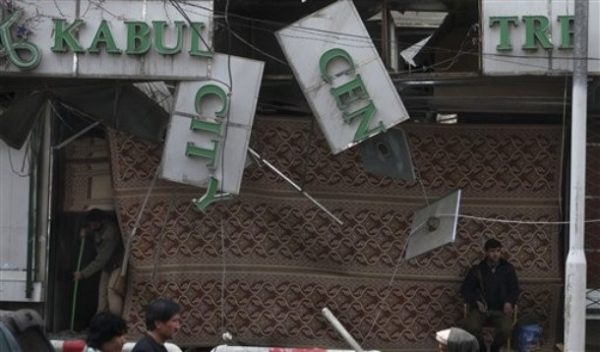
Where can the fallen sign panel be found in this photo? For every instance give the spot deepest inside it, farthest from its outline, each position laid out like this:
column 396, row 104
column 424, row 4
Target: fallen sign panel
column 208, row 136
column 434, row 225
column 342, row 76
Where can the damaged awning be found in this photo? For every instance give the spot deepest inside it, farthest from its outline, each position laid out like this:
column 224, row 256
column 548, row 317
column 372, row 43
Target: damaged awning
column 121, row 106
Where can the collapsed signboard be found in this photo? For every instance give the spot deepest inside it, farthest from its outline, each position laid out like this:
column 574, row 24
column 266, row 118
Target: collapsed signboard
column 534, row 37
column 341, row 75
column 106, row 39
column 210, row 127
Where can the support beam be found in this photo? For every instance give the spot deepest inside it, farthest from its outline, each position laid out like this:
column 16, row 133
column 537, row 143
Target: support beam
column 575, row 273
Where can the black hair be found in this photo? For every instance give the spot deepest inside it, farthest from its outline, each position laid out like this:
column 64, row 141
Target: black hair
column 94, row 215
column 492, row 244
column 104, row 327
column 160, row 310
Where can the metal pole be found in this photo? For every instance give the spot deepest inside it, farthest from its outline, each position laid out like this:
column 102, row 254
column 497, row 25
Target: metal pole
column 385, row 23
column 298, row 188
column 341, row 329
column 575, row 273
column 76, row 284
column 45, row 197
column 394, row 55
column 76, row 135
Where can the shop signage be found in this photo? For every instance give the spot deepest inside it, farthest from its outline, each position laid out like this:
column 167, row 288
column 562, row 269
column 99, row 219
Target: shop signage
column 209, row 132
column 534, row 37
column 106, row 39
column 342, row 76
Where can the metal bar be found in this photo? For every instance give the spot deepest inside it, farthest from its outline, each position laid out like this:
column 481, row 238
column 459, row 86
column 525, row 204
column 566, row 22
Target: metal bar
column 76, row 135
column 76, row 284
column 45, row 196
column 137, row 223
column 385, row 23
column 31, row 226
column 576, row 266
column 34, row 167
column 298, row 188
column 393, row 39
column 341, row 329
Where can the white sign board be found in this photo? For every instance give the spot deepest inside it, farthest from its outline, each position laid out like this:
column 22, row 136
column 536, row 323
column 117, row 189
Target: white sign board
column 213, row 149
column 434, row 226
column 534, row 37
column 341, row 75
column 107, row 39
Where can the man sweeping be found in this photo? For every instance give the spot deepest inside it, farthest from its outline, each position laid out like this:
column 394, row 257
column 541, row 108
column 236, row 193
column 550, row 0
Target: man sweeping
column 109, row 257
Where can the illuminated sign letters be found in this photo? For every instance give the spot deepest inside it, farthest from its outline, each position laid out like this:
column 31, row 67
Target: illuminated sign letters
column 533, row 37
column 12, row 48
column 348, row 94
column 342, row 76
column 210, row 127
column 107, row 39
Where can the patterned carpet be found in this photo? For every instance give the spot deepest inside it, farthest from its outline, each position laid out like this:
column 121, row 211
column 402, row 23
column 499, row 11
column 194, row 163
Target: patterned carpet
column 285, row 259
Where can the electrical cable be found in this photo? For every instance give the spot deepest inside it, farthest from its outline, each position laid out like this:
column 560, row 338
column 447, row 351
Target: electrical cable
column 391, row 281
column 187, row 18
column 222, row 166
column 25, row 158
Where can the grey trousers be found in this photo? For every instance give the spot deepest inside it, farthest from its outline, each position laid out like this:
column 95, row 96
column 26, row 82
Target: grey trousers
column 502, row 324
column 110, row 299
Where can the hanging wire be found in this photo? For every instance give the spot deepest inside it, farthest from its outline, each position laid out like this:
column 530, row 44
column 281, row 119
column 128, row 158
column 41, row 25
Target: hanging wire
column 391, row 281
column 181, row 11
column 26, row 158
column 137, row 221
column 59, row 116
column 222, row 165
column 309, row 139
column 507, row 221
column 161, row 239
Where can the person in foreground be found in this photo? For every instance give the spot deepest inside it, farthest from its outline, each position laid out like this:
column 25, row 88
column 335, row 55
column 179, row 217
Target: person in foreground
column 109, row 256
column 456, row 340
column 106, row 333
column 490, row 290
column 162, row 322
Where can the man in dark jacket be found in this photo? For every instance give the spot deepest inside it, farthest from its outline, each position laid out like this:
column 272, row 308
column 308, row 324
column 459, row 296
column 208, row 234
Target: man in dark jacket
column 490, row 290
column 162, row 322
column 109, row 257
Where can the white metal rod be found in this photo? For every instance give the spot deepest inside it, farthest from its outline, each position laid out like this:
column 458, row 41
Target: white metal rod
column 76, row 135
column 341, row 329
column 575, row 273
column 394, row 54
column 298, row 188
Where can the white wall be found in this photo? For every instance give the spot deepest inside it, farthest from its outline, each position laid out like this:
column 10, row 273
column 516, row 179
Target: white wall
column 14, row 210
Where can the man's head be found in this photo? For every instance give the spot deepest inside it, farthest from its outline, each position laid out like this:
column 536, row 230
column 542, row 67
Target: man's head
column 94, row 218
column 456, row 340
column 493, row 250
column 107, row 332
column 162, row 318
column 442, row 339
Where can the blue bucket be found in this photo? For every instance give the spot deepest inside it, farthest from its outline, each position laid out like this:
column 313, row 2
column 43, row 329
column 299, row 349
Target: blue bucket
column 528, row 338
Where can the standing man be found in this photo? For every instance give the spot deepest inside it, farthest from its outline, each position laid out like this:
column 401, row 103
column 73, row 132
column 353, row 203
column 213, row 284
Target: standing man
column 490, row 290
column 109, row 257
column 162, row 322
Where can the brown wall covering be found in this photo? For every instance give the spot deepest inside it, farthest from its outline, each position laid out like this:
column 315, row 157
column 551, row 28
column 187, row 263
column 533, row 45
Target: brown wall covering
column 285, row 260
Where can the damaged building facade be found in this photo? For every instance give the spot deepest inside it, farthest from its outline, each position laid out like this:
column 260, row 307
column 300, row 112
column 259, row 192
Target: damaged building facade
column 314, row 217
